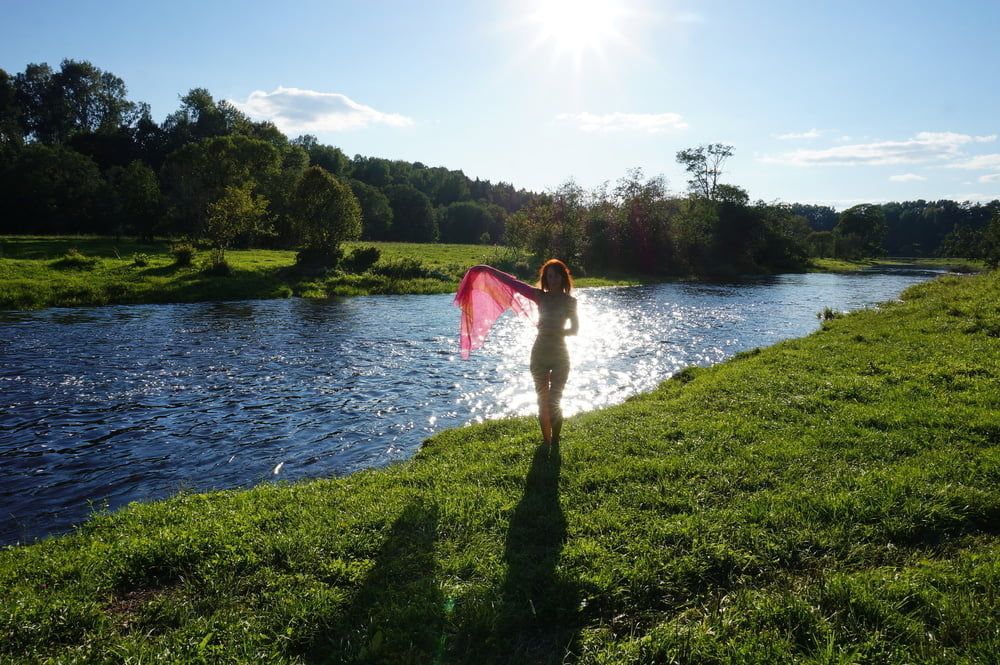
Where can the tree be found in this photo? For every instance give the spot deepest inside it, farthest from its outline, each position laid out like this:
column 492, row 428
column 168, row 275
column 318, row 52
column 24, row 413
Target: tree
column 376, row 213
column 991, row 242
column 330, row 158
column 326, row 213
column 860, row 232
column 11, row 128
column 197, row 173
column 465, row 222
column 704, row 165
column 79, row 98
column 237, row 211
column 50, row 189
column 412, row 214
column 137, row 200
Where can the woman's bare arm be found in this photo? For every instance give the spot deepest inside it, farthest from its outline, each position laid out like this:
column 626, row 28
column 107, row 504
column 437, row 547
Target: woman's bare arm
column 574, row 324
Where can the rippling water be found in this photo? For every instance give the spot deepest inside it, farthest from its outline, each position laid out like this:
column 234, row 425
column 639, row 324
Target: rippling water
column 102, row 406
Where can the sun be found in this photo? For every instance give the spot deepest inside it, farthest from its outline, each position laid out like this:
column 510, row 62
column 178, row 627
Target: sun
column 578, row 26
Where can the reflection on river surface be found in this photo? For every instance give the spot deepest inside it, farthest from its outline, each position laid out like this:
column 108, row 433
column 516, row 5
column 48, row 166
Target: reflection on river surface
column 102, row 406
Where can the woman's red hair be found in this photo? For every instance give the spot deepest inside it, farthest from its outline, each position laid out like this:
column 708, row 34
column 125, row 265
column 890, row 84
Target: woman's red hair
column 567, row 277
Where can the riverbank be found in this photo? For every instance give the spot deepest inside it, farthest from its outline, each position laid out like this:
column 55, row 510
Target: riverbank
column 831, row 498
column 844, row 265
column 34, row 273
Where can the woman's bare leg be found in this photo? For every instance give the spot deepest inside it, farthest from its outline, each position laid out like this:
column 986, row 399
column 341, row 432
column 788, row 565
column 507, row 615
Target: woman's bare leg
column 542, row 390
column 558, row 382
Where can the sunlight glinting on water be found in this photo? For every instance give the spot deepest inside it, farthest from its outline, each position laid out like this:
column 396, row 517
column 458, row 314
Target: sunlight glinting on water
column 618, row 352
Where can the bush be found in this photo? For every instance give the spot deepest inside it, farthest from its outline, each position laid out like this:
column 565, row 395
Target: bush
column 511, row 260
column 318, row 260
column 407, row 268
column 183, row 254
column 216, row 264
column 140, row 260
column 361, row 259
column 74, row 259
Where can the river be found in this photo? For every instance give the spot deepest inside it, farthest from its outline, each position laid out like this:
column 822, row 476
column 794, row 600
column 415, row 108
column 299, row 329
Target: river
column 103, row 406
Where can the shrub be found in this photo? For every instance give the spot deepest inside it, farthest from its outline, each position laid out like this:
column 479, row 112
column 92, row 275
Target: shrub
column 510, row 260
column 216, row 264
column 74, row 259
column 407, row 268
column 183, row 253
column 140, row 260
column 318, row 260
column 361, row 259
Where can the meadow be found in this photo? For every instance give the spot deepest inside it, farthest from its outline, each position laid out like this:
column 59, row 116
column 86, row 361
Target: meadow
column 830, row 499
column 43, row 271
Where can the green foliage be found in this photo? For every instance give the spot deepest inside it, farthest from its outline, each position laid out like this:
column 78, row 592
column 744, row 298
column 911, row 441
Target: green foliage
column 183, row 253
column 361, row 259
column 74, row 259
column 376, row 213
column 325, row 211
column 200, row 174
column 236, row 212
column 136, row 200
column 412, row 214
column 51, row 189
column 860, row 232
column 466, row 222
column 215, row 264
column 829, row 499
column 406, row 268
column 991, row 242
column 140, row 260
column 704, row 166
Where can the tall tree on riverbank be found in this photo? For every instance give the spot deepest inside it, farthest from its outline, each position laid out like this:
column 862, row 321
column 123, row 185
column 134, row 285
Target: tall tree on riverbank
column 704, row 166
column 326, row 213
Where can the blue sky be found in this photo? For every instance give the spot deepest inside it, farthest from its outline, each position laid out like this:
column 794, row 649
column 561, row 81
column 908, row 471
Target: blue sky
column 837, row 103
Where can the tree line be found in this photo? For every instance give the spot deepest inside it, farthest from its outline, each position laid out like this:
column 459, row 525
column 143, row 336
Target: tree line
column 78, row 156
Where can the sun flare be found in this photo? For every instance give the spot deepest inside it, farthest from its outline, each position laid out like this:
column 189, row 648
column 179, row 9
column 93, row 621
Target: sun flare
column 576, row 26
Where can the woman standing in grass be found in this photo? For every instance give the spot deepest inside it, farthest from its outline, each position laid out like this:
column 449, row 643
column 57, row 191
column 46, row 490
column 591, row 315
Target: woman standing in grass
column 485, row 293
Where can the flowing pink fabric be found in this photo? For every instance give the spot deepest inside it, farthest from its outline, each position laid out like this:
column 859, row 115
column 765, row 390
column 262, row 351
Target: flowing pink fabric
column 484, row 294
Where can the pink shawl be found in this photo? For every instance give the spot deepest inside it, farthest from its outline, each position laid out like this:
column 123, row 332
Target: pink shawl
column 484, row 294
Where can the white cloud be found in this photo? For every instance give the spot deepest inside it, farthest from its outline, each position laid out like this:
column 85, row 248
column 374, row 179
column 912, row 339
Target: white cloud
column 922, row 148
column 990, row 138
column 295, row 111
column 907, row 177
column 652, row 123
column 991, row 177
column 811, row 134
column 991, row 161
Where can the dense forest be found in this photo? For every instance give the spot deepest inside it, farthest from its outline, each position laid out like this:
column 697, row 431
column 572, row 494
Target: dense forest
column 78, row 156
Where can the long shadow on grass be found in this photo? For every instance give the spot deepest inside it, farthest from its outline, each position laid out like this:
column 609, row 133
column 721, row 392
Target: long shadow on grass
column 539, row 619
column 397, row 615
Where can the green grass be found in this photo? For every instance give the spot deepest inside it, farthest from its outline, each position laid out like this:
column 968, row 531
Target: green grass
column 831, row 499
column 35, row 274
column 843, row 265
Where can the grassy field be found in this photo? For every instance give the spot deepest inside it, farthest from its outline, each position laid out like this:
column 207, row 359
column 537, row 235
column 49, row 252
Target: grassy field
column 831, row 499
column 33, row 273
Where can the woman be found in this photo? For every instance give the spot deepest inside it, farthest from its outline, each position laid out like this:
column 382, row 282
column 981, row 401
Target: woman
column 485, row 293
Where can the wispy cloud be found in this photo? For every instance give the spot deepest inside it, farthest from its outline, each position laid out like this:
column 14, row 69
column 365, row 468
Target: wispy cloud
column 651, row 123
column 923, row 148
column 294, row 110
column 990, row 177
column 979, row 162
column 907, row 177
column 811, row 134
